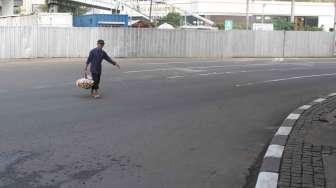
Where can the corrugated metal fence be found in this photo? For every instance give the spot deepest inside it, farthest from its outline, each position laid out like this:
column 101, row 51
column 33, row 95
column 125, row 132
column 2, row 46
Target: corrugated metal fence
column 27, row 42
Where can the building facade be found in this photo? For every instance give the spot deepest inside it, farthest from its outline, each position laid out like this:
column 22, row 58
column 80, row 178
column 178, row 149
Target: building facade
column 317, row 14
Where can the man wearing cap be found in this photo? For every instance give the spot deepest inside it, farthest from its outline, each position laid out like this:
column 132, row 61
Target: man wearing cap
column 95, row 59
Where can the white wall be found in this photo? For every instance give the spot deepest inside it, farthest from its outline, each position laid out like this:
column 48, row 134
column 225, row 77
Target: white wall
column 23, row 42
column 27, row 7
column 7, row 7
column 55, row 19
column 326, row 21
column 40, row 19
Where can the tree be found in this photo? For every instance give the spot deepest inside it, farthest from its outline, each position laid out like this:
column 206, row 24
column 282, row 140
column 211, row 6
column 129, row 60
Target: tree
column 75, row 9
column 43, row 8
column 282, row 24
column 173, row 18
column 64, row 6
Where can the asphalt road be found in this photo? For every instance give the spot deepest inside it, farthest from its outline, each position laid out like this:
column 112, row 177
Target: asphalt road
column 168, row 123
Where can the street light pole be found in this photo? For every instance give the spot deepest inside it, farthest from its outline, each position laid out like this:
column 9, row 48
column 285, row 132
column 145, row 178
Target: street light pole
column 263, row 13
column 334, row 29
column 247, row 14
column 335, row 15
column 111, row 7
column 150, row 10
column 293, row 11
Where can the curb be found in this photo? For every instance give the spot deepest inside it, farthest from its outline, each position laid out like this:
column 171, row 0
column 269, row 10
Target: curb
column 269, row 170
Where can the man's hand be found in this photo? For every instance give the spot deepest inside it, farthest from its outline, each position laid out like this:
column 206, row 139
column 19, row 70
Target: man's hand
column 86, row 72
column 117, row 65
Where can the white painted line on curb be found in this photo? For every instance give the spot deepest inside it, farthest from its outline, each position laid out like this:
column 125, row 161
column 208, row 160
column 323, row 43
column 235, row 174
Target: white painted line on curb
column 285, row 131
column 267, row 180
column 293, row 116
column 274, row 151
column 332, row 94
column 270, row 179
column 305, row 107
column 319, row 100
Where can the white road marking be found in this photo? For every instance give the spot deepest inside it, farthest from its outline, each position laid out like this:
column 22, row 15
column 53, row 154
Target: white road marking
column 267, row 180
column 319, row 100
column 183, row 62
column 149, row 70
column 200, row 67
column 189, row 70
column 285, row 79
column 305, row 107
column 293, row 116
column 274, row 151
column 247, row 71
column 168, row 63
column 222, row 66
column 3, row 91
column 284, row 131
column 207, row 74
column 173, row 77
column 278, row 59
column 42, row 86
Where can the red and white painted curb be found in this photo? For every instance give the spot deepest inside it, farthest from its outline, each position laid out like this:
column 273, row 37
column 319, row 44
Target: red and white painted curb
column 269, row 170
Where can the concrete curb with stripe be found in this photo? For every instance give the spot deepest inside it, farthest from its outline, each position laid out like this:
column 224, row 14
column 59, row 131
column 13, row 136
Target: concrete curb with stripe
column 269, row 170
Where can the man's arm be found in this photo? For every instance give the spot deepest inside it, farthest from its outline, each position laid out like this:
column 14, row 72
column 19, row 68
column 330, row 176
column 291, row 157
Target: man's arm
column 108, row 59
column 88, row 61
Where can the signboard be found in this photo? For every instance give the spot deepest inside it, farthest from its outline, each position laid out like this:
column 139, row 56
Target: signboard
column 228, row 25
column 262, row 27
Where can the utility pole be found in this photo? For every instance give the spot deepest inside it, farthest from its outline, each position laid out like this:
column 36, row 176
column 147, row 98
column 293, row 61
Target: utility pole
column 111, row 7
column 293, row 11
column 150, row 10
column 247, row 14
column 334, row 29
column 335, row 16
column 263, row 13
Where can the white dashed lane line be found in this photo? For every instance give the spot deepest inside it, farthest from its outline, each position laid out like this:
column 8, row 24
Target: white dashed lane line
column 173, row 77
column 286, row 79
column 191, row 68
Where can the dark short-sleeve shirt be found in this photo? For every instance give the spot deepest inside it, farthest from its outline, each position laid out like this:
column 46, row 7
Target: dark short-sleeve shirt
column 95, row 59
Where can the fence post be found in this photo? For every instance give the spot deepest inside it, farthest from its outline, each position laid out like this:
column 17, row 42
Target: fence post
column 284, row 44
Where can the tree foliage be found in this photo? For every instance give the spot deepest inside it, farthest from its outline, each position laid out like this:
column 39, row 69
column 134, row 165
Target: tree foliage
column 282, row 24
column 173, row 18
column 74, row 8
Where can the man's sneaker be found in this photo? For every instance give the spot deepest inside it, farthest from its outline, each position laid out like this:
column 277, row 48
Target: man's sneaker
column 97, row 95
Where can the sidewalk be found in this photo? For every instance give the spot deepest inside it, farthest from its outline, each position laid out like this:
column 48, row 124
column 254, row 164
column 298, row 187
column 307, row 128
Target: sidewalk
column 309, row 158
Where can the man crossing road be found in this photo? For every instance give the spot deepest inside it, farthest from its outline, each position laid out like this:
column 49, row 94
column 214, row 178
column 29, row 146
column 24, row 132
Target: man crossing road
column 96, row 56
